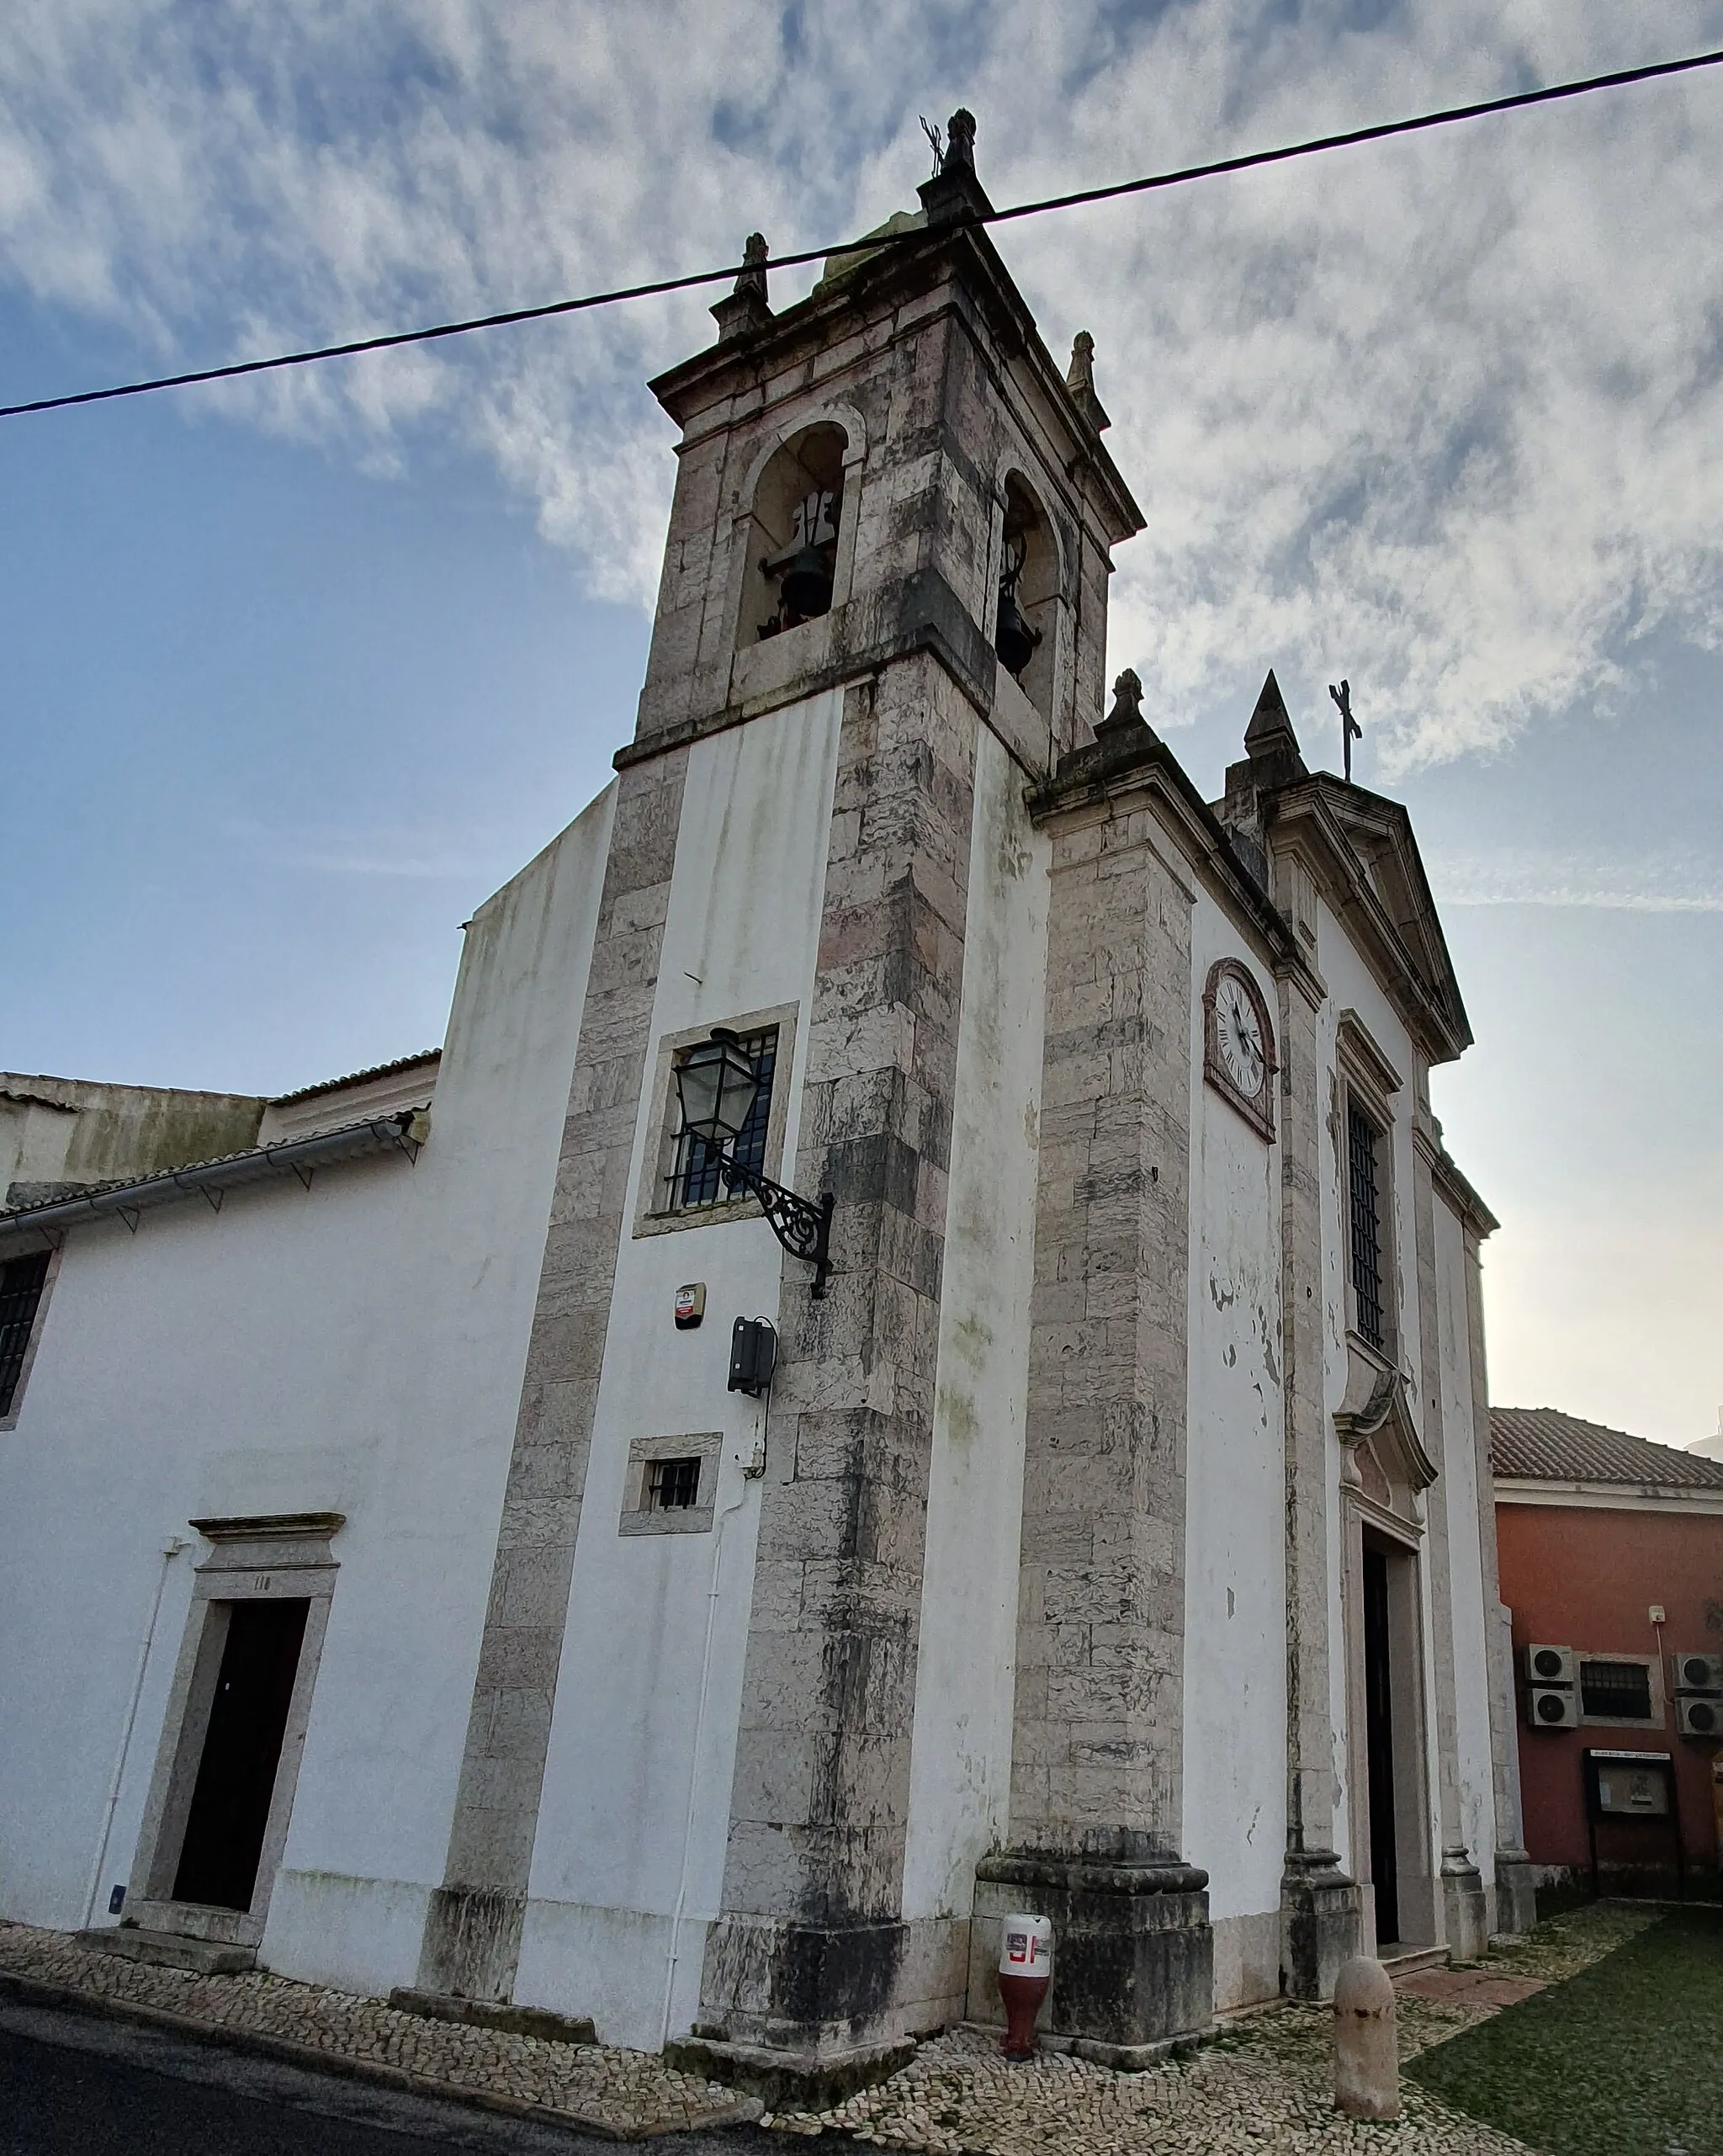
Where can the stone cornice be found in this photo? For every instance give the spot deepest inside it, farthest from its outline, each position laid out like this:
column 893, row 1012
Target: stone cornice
column 1123, row 761
column 1474, row 1215
column 958, row 255
column 1607, row 1496
column 921, row 613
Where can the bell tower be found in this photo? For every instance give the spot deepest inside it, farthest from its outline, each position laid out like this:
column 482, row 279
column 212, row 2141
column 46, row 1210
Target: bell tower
column 882, row 622
column 892, row 472
column 890, row 491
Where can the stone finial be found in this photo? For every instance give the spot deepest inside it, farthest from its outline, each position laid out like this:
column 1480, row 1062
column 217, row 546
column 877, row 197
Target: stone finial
column 745, row 307
column 1080, row 382
column 1269, row 741
column 954, row 192
column 754, row 256
column 1128, row 703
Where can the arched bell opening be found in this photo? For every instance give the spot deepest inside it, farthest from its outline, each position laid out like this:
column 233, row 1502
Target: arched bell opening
column 1025, row 624
column 793, row 534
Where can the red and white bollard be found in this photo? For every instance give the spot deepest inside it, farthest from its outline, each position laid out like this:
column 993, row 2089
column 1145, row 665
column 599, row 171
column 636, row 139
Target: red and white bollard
column 1025, row 1971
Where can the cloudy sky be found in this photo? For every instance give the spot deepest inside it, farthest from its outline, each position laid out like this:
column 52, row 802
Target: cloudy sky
column 292, row 673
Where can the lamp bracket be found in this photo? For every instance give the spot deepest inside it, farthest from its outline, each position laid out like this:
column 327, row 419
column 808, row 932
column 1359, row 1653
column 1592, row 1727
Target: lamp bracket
column 802, row 1227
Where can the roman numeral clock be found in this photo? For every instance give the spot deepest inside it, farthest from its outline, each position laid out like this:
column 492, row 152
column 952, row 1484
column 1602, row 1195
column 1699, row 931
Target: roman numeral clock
column 1238, row 1044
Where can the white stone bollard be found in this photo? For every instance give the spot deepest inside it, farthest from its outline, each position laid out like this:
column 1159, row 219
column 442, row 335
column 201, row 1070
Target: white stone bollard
column 1367, row 2055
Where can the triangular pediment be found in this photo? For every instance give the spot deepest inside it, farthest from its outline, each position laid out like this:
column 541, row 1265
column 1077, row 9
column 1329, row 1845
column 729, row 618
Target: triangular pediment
column 1365, row 855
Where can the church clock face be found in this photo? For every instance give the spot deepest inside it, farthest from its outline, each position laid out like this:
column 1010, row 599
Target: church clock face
column 1238, row 1043
column 1240, row 1030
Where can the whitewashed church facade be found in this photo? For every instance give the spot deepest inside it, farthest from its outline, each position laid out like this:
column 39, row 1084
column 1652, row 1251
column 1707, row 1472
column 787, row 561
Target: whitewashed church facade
column 393, row 1589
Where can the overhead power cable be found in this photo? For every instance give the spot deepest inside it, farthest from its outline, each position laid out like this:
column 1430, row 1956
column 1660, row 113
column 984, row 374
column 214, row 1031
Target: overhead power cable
column 1248, row 162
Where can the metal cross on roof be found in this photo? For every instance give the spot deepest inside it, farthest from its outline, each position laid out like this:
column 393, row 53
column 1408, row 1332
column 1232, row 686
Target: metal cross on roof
column 1350, row 730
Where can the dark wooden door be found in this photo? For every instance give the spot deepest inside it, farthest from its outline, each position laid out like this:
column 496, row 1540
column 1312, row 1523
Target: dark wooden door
column 1378, row 1746
column 231, row 1800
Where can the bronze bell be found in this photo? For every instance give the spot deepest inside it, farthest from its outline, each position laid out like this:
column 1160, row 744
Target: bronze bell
column 1014, row 638
column 806, row 584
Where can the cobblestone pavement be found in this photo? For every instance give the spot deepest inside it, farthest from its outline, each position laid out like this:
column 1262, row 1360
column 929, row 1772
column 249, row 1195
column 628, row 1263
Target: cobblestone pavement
column 1263, row 2088
column 597, row 2086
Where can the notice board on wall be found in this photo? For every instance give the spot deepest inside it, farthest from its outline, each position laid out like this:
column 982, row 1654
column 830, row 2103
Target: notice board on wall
column 1630, row 1785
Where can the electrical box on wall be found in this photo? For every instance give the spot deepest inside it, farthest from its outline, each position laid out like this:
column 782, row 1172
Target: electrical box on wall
column 690, row 1305
column 753, row 1355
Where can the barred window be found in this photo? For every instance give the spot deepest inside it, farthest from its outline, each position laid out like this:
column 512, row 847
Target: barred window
column 1619, row 1692
column 22, row 1281
column 674, row 1484
column 1364, row 1186
column 694, row 1179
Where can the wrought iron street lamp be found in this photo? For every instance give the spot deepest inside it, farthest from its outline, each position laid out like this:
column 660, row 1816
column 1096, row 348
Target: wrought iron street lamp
column 716, row 1089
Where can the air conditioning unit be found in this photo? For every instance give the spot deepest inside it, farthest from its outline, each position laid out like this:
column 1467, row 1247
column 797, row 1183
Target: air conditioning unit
column 1551, row 1666
column 1549, row 1709
column 1696, row 1672
column 1697, row 1717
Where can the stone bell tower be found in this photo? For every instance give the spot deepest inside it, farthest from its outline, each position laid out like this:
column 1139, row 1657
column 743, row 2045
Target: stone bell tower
column 887, row 564
column 892, row 491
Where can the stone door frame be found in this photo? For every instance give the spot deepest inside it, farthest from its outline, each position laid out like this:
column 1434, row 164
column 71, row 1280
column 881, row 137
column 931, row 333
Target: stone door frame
column 284, row 1557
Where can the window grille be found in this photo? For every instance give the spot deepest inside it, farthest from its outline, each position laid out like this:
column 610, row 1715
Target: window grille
column 1620, row 1691
column 22, row 1281
column 1361, row 1141
column 694, row 1179
column 675, row 1485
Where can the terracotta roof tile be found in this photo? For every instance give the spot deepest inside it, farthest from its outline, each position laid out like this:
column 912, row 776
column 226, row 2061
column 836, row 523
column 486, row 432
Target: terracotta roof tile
column 1541, row 1443
column 358, row 1077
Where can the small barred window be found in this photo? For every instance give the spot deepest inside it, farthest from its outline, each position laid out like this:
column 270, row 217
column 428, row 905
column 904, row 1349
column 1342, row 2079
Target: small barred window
column 674, row 1484
column 1615, row 1691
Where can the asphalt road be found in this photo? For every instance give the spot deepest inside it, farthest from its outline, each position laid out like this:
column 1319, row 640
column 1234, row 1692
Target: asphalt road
column 72, row 2084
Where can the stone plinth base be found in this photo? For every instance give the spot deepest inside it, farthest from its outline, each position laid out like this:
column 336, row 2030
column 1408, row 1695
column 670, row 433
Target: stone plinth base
column 481, row 2014
column 1322, row 1923
column 170, row 1950
column 803, row 2015
column 1466, row 1909
column 788, row 2080
column 1133, row 1954
column 1516, row 1892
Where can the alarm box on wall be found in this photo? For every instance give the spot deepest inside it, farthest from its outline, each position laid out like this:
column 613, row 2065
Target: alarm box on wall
column 1549, row 1709
column 1696, row 1672
column 1551, row 1666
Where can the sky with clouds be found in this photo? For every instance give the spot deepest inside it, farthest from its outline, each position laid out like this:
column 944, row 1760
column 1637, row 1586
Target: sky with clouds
column 294, row 671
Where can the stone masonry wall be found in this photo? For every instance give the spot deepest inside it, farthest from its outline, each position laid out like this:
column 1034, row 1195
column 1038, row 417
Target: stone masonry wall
column 809, row 1949
column 1097, row 1742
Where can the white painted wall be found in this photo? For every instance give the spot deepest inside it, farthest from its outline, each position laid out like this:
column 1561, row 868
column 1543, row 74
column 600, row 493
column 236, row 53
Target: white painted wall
column 1235, row 1562
column 1472, row 1675
column 357, row 1347
column 741, row 935
column 960, row 1758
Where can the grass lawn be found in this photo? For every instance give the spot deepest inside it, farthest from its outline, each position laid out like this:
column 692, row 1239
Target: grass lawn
column 1625, row 2059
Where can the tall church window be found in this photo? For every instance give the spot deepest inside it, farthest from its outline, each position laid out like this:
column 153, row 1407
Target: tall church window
column 1364, row 1184
column 792, row 537
column 22, row 1280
